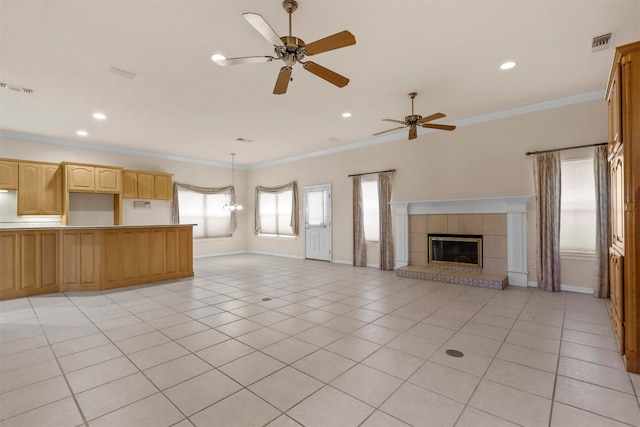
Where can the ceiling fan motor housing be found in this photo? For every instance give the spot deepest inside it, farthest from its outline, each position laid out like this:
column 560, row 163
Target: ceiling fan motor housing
column 412, row 119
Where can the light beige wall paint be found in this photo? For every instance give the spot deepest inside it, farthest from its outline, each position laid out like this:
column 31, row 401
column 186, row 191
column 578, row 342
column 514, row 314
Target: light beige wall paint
column 481, row 160
column 190, row 173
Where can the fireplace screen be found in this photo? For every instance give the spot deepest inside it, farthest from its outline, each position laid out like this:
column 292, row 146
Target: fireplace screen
column 455, row 249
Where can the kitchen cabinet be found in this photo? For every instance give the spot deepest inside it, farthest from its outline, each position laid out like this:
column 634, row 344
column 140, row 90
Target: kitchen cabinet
column 623, row 99
column 39, row 189
column 8, row 175
column 147, row 185
column 83, row 178
column 29, row 261
column 80, row 251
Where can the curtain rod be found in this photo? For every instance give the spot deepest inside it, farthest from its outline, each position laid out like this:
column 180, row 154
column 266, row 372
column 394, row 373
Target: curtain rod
column 528, row 153
column 369, row 173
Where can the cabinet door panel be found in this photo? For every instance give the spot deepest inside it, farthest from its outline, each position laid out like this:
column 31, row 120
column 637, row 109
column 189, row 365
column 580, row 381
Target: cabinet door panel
column 29, row 260
column 185, row 256
column 80, row 260
column 157, row 244
column 142, row 249
column 49, row 260
column 29, row 192
column 81, row 178
column 51, row 190
column 171, row 254
column 8, row 175
column 111, row 261
column 616, row 282
column 108, row 180
column 129, row 184
column 145, row 185
column 9, row 264
column 162, row 187
column 128, row 255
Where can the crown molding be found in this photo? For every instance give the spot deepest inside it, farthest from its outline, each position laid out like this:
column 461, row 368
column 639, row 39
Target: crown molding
column 498, row 115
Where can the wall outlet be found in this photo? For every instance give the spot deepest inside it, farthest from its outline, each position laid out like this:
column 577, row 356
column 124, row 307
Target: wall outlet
column 533, row 264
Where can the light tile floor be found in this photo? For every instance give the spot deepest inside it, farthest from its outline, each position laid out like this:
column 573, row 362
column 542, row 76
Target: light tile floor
column 255, row 340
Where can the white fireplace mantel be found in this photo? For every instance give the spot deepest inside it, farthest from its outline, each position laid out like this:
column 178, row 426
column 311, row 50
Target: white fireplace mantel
column 514, row 206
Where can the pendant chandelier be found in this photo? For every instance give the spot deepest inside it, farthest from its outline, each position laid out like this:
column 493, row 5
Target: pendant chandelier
column 232, row 205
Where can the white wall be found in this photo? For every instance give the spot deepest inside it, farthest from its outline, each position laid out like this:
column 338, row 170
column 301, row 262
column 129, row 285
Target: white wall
column 482, row 160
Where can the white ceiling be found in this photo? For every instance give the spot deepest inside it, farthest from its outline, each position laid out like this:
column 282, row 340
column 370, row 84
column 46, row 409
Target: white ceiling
column 183, row 104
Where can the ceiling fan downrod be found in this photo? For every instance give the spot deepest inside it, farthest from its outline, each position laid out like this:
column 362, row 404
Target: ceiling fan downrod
column 290, row 6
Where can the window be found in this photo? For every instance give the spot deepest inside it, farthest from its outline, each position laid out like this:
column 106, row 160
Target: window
column 577, row 206
column 371, row 211
column 206, row 211
column 277, row 211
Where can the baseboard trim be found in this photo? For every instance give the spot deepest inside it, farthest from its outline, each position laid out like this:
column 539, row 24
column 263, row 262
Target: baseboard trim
column 219, row 254
column 276, row 254
column 576, row 289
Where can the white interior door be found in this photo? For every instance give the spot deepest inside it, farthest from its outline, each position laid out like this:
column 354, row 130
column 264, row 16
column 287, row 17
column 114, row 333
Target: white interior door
column 317, row 222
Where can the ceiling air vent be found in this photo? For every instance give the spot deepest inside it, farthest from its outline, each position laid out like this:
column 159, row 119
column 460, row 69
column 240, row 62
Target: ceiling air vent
column 122, row 73
column 16, row 88
column 601, row 42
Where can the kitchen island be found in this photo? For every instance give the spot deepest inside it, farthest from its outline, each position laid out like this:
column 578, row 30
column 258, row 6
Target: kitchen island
column 41, row 260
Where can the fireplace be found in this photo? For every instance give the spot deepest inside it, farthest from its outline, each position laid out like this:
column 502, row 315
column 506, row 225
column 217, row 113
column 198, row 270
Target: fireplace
column 463, row 250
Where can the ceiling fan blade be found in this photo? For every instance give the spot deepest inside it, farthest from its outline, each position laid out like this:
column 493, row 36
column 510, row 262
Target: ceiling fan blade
column 243, row 60
column 259, row 23
column 394, row 121
column 325, row 73
column 413, row 132
column 432, row 117
column 335, row 41
column 389, row 130
column 283, row 81
column 440, row 127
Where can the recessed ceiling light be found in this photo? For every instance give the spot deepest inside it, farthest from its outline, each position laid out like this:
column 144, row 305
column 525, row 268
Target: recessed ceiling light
column 217, row 57
column 99, row 116
column 82, row 133
column 346, row 115
column 508, row 65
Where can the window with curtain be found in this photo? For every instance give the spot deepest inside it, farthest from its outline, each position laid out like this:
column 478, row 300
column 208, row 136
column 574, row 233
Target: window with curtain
column 277, row 210
column 207, row 211
column 577, row 207
column 371, row 211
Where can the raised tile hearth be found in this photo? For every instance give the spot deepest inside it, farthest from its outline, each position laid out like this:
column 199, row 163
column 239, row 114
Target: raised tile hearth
column 459, row 277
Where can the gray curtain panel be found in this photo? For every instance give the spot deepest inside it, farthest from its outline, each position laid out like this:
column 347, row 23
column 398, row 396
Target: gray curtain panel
column 387, row 261
column 359, row 246
column 547, row 183
column 293, row 187
column 603, row 232
column 175, row 203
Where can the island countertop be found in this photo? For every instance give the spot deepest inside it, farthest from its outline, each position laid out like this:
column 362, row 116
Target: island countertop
column 43, row 225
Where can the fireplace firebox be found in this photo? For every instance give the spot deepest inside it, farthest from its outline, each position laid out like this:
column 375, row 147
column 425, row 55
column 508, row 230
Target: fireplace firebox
column 463, row 250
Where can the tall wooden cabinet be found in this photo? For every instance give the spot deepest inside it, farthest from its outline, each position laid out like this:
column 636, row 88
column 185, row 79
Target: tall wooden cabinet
column 623, row 98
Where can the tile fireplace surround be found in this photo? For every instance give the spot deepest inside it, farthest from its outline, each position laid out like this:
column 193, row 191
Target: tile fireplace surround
column 443, row 212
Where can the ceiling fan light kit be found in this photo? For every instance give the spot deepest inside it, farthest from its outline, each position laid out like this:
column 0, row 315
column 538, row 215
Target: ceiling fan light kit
column 292, row 50
column 415, row 120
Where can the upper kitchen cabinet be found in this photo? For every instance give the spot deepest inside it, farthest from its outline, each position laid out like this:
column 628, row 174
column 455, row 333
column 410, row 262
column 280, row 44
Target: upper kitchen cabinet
column 8, row 175
column 147, row 185
column 83, row 178
column 40, row 189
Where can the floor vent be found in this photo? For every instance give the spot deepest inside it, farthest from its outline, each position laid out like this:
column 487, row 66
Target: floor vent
column 601, row 42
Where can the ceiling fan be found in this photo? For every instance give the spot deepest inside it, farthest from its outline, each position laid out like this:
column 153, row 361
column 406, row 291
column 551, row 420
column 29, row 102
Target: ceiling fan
column 291, row 49
column 414, row 120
